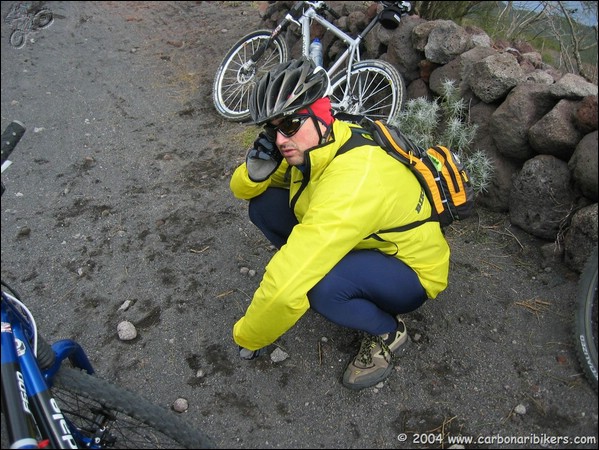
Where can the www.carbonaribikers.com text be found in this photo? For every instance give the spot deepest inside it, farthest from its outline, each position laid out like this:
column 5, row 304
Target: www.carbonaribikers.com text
column 537, row 439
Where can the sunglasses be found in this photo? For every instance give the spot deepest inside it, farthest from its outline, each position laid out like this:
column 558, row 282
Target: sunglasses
column 288, row 126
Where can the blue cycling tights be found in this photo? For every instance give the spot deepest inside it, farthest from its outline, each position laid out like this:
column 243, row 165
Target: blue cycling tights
column 364, row 291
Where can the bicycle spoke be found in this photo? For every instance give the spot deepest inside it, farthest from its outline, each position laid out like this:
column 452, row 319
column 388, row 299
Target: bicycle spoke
column 373, row 94
column 232, row 86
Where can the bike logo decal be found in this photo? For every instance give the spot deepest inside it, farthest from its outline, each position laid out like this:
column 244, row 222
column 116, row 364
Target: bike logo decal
column 23, row 391
column 21, row 349
column 66, row 438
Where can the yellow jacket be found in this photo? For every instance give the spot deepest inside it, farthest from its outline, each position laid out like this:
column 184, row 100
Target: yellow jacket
column 340, row 204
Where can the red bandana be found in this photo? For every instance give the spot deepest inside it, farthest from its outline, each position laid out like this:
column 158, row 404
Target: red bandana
column 321, row 108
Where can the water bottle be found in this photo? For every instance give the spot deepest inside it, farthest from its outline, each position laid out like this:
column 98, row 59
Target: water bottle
column 316, row 52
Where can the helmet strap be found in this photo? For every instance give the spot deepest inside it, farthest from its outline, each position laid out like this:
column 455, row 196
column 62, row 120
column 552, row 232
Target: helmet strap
column 322, row 138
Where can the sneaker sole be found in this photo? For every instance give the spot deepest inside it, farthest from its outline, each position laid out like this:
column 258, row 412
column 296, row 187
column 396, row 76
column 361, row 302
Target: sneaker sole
column 369, row 383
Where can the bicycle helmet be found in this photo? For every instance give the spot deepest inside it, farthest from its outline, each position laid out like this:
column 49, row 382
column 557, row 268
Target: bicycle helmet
column 287, row 88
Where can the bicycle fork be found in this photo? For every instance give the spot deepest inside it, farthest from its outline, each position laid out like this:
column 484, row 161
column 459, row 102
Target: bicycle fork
column 247, row 69
column 25, row 394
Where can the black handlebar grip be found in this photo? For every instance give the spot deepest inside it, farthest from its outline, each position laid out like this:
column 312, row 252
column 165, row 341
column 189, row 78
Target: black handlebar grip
column 332, row 12
column 296, row 9
column 11, row 137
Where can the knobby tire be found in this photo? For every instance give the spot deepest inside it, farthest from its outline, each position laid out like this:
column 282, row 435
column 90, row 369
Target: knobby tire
column 130, row 421
column 586, row 320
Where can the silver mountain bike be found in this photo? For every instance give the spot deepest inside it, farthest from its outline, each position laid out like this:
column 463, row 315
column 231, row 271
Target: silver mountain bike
column 370, row 88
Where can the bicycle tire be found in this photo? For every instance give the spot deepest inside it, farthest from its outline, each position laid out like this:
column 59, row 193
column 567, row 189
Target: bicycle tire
column 377, row 90
column 43, row 19
column 128, row 420
column 18, row 38
column 232, row 88
column 586, row 320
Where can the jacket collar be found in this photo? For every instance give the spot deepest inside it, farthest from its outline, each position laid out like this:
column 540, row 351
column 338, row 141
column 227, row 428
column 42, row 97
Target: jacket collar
column 320, row 156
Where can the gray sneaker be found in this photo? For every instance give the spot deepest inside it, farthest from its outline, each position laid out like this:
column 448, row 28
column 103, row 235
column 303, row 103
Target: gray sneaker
column 374, row 361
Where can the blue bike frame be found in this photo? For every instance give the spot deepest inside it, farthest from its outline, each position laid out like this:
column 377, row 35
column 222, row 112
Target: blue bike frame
column 26, row 395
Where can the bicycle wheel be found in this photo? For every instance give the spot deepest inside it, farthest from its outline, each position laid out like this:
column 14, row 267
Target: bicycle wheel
column 376, row 90
column 235, row 77
column 586, row 320
column 18, row 38
column 43, row 19
column 116, row 418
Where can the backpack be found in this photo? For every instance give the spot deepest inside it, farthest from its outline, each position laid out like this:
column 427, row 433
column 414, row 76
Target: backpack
column 444, row 179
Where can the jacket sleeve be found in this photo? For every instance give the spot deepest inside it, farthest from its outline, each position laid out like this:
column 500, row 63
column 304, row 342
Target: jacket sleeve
column 342, row 211
column 245, row 189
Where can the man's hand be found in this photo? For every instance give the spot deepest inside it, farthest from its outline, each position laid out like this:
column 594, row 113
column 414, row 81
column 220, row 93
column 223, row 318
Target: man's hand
column 246, row 354
column 263, row 158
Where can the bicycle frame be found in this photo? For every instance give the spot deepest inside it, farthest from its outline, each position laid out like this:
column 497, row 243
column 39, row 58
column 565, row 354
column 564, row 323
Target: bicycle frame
column 351, row 53
column 27, row 402
column 353, row 44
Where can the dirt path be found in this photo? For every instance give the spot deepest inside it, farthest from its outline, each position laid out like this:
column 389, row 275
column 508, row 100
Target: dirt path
column 119, row 191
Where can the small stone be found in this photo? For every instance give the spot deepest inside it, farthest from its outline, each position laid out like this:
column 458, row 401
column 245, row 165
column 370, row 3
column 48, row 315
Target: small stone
column 23, row 232
column 278, row 355
column 520, row 409
column 125, row 306
column 180, row 405
column 126, row 331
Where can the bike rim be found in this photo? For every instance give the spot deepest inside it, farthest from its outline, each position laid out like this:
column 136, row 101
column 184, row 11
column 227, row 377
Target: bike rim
column 590, row 333
column 43, row 19
column 370, row 93
column 236, row 82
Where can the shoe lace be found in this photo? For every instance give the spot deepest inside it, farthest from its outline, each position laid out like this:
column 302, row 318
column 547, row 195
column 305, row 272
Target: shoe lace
column 368, row 344
column 387, row 353
column 365, row 353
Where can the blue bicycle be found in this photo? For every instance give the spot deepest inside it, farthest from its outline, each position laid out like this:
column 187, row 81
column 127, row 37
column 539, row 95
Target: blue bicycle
column 51, row 397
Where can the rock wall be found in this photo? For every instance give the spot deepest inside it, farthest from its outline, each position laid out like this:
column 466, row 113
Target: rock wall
column 538, row 126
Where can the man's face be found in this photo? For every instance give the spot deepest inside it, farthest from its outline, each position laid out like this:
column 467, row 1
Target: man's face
column 295, row 134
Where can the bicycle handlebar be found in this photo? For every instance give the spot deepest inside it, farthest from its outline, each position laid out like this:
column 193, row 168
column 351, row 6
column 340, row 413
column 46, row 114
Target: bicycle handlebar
column 10, row 138
column 332, row 12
